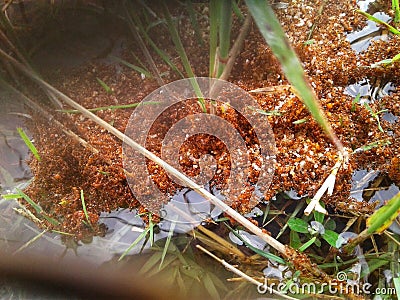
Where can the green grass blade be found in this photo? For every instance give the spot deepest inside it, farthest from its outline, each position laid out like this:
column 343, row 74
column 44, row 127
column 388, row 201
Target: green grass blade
column 135, row 242
column 274, row 35
column 225, row 27
column 123, row 106
column 182, row 53
column 28, row 143
column 260, row 252
column 136, row 68
column 35, row 206
column 307, row 244
column 138, row 24
column 85, row 210
column 355, row 101
column 50, row 220
column 11, row 196
column 396, row 8
column 377, row 21
column 177, row 41
column 396, row 283
column 214, row 20
column 237, row 11
column 104, row 86
column 167, row 243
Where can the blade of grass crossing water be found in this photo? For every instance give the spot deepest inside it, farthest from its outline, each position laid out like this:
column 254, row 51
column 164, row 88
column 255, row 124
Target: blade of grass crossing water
column 378, row 21
column 274, row 35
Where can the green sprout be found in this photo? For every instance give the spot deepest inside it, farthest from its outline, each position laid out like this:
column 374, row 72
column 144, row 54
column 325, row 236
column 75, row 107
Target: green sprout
column 35, row 206
column 312, row 231
column 28, row 143
column 87, row 222
column 375, row 115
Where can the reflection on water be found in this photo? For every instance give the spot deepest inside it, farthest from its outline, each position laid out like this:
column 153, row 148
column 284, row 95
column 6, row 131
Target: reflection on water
column 187, row 209
column 13, row 151
column 374, row 187
column 370, row 90
column 360, row 40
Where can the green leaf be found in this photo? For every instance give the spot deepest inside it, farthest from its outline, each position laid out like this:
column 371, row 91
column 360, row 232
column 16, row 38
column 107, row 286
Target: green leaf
column 36, row 207
column 11, row 196
column 319, row 217
column 183, row 56
column 330, row 224
column 374, row 264
column 225, row 27
column 298, row 225
column 295, row 241
column 355, row 101
column 168, row 263
column 331, row 237
column 112, row 107
column 193, row 21
column 28, row 143
column 380, row 143
column 384, row 216
column 307, row 244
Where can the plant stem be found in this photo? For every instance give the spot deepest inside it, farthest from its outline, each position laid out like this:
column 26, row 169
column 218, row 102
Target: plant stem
column 225, row 27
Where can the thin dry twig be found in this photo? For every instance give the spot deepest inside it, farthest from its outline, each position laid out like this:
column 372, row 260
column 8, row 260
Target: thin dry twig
column 243, row 275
